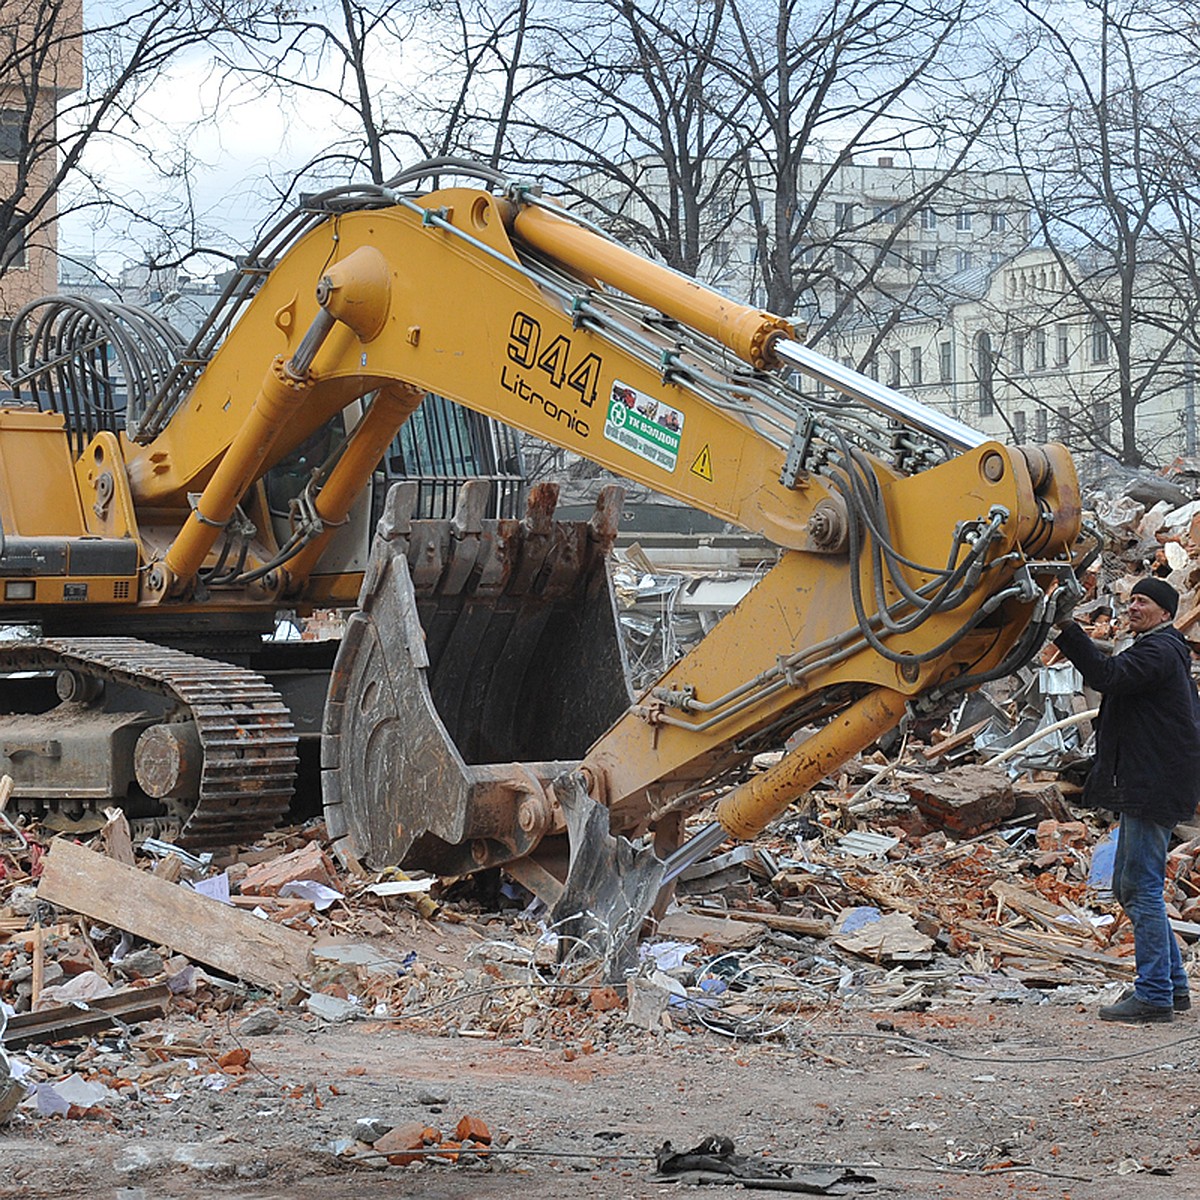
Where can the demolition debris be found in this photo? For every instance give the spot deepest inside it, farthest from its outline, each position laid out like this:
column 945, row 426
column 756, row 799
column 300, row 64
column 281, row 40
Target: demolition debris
column 950, row 870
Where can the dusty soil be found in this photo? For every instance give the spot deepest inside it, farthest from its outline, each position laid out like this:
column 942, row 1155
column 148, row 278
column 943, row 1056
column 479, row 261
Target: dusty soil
column 986, row 1100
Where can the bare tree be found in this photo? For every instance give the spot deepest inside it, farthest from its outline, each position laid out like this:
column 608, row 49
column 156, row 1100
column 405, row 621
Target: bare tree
column 70, row 81
column 695, row 130
column 629, row 117
column 1104, row 124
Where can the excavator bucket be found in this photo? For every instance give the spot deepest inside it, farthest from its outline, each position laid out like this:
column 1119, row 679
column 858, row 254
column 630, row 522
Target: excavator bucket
column 483, row 661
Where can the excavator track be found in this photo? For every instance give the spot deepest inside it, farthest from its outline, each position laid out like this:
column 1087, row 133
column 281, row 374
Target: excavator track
column 248, row 769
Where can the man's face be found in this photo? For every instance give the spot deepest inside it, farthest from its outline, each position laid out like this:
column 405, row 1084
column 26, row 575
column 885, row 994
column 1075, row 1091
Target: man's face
column 1145, row 614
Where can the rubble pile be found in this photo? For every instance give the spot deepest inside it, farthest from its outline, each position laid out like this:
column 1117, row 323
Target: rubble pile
column 949, row 868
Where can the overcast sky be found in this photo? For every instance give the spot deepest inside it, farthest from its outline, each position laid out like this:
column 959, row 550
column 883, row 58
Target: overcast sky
column 234, row 167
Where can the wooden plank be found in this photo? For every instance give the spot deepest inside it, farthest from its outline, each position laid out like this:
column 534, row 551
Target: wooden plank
column 947, row 745
column 39, row 965
column 783, row 922
column 205, row 930
column 1031, row 904
column 118, row 841
column 1043, row 947
column 70, row 1021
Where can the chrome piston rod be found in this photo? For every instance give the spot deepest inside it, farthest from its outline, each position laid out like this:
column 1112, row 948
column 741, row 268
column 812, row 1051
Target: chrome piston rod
column 878, row 396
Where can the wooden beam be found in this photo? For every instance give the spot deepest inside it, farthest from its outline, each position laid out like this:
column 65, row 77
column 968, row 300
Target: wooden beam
column 205, row 930
column 71, row 1021
column 783, row 922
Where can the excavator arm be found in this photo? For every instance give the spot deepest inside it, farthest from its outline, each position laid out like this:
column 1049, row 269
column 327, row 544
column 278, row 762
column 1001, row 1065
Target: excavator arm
column 918, row 558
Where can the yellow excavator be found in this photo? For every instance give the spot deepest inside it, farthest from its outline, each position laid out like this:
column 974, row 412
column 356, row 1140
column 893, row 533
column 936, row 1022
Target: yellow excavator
column 476, row 714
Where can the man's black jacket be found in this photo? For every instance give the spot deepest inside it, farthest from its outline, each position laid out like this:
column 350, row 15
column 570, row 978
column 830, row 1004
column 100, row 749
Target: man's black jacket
column 1148, row 731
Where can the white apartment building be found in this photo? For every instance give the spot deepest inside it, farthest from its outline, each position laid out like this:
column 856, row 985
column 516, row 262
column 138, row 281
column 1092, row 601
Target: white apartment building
column 893, row 224
column 879, row 227
column 1017, row 357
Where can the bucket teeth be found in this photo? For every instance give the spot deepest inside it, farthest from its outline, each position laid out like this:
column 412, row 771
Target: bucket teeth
column 478, row 643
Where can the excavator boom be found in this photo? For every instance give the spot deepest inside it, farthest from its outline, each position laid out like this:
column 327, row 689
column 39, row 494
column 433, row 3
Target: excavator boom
column 916, row 558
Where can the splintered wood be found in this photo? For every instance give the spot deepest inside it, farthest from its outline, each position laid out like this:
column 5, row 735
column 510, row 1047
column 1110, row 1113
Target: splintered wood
column 206, row 930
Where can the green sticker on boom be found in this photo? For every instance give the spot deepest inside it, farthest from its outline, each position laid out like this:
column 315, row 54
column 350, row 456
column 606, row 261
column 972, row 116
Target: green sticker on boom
column 644, row 425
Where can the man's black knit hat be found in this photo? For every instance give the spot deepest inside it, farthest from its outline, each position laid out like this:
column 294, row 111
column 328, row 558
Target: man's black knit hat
column 1160, row 591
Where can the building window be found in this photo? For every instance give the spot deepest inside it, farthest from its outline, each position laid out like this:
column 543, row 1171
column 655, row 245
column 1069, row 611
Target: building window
column 13, row 256
column 1039, row 350
column 720, row 254
column 945, row 361
column 963, row 260
column 915, row 369
column 962, row 221
column 1062, row 346
column 1039, row 425
column 1064, row 423
column 928, row 218
column 928, row 259
column 984, row 372
column 893, row 368
column 1019, row 426
column 1018, row 356
column 1103, row 416
column 1099, row 343
column 872, row 370
column 843, row 214
column 12, row 134
column 886, row 215
column 999, row 224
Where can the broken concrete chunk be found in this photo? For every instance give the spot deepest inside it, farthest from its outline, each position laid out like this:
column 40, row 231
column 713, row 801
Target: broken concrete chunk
column 141, row 964
column 648, row 1002
column 1042, row 800
column 265, row 1020
column 332, row 1008
column 370, row 1129
column 84, row 987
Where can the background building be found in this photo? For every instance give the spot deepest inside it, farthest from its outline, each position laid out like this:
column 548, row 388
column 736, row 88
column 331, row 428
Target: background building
column 38, row 74
column 1017, row 353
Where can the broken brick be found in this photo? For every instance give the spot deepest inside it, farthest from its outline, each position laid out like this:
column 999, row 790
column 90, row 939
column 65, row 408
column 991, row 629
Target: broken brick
column 398, row 1143
column 309, row 862
column 965, row 800
column 473, row 1129
column 602, row 999
column 234, row 1062
column 1058, row 835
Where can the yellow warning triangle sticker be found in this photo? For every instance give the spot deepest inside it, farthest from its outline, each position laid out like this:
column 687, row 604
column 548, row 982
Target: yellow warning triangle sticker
column 703, row 464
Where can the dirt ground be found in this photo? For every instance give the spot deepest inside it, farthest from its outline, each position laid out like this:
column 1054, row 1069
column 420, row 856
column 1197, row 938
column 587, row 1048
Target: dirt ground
column 986, row 1100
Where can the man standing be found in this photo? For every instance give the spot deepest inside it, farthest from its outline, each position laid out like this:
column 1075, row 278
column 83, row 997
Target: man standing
column 1147, row 769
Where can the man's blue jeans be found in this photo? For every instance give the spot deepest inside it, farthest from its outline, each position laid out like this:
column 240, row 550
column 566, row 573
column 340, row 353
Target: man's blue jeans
column 1138, row 875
